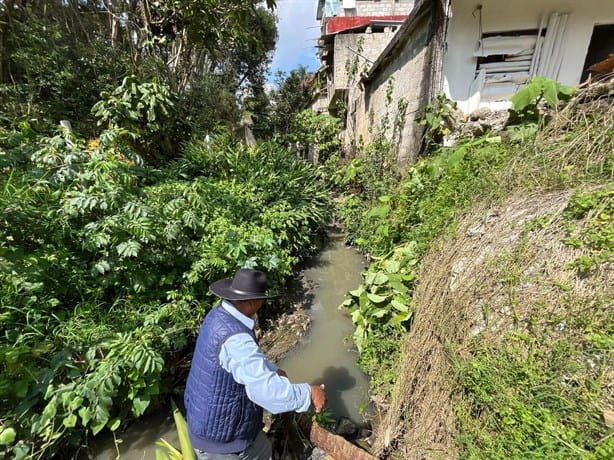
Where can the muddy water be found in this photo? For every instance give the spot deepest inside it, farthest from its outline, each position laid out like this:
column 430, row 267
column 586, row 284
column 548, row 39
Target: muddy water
column 139, row 440
column 325, row 356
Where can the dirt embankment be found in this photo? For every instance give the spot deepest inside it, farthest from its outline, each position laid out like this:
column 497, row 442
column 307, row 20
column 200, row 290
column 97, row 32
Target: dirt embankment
column 458, row 280
column 507, row 268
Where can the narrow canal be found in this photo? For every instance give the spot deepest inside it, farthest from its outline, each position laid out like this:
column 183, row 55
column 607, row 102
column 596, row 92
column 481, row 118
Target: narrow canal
column 326, row 355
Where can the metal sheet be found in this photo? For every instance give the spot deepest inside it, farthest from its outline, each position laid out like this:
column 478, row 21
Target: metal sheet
column 506, row 45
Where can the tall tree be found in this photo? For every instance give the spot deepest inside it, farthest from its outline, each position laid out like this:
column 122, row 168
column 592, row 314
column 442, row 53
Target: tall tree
column 58, row 55
column 293, row 95
column 56, row 60
column 249, row 60
column 192, row 37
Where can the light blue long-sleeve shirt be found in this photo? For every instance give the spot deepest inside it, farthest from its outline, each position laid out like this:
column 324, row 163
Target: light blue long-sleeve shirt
column 241, row 356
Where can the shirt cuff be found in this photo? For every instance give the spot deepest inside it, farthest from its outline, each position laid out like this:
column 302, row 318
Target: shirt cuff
column 307, row 403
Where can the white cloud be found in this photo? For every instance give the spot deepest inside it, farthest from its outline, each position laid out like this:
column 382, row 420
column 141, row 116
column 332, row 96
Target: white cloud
column 298, row 34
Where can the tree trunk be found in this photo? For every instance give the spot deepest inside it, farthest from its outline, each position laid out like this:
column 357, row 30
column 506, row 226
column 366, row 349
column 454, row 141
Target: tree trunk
column 5, row 50
column 336, row 446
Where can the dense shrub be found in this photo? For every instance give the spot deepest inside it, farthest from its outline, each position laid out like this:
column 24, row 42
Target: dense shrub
column 105, row 266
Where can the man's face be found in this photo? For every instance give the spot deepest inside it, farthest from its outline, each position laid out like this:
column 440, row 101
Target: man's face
column 255, row 305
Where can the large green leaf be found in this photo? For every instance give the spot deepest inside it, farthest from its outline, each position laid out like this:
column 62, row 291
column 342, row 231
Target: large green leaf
column 70, row 421
column 376, row 298
column 379, row 211
column 140, row 404
column 86, row 415
column 376, row 278
column 379, row 312
column 550, row 92
column 182, row 431
column 400, row 304
column 525, row 97
column 7, row 435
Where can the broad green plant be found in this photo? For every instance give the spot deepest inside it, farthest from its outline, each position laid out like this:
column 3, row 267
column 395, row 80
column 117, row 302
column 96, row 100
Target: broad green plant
column 439, row 118
column 145, row 113
column 384, row 297
column 397, row 228
column 319, row 130
column 539, row 91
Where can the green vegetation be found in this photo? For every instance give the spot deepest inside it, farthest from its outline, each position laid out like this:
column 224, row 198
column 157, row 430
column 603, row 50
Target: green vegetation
column 539, row 394
column 106, row 261
column 439, row 118
column 537, row 390
column 57, row 57
column 111, row 234
column 597, row 237
column 539, row 94
column 292, row 96
column 317, row 129
column 399, row 227
column 170, row 452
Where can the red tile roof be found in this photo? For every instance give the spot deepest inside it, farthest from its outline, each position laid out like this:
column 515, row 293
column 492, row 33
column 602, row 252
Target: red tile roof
column 341, row 23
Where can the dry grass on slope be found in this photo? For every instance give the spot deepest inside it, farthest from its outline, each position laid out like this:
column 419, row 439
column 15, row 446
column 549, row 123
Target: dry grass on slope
column 497, row 276
column 576, row 145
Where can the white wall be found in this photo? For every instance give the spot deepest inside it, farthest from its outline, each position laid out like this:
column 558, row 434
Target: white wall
column 375, row 7
column 508, row 15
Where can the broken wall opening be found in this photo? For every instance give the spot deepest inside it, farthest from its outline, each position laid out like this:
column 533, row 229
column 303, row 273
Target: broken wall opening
column 600, row 48
column 505, row 60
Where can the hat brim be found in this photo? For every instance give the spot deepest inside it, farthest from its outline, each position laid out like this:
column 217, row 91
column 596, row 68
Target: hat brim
column 223, row 289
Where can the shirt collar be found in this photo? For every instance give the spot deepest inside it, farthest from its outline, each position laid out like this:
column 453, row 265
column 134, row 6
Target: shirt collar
column 245, row 320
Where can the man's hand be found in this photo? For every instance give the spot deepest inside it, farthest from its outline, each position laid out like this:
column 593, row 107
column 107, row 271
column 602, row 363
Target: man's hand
column 318, row 397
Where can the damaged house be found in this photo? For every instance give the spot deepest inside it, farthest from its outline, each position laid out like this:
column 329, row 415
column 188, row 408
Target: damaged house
column 478, row 52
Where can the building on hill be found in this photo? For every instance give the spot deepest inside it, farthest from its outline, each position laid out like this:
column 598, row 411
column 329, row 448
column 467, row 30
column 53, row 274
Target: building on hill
column 478, row 53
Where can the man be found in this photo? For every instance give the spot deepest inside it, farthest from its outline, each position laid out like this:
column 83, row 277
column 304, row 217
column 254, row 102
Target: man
column 231, row 381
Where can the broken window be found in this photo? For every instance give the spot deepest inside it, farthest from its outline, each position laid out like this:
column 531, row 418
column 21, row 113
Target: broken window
column 504, row 62
column 507, row 60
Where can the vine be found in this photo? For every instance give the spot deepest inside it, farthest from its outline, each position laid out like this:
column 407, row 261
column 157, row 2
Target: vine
column 352, row 63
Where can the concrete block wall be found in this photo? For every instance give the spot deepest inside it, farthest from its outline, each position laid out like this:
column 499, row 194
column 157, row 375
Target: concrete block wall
column 371, row 108
column 363, row 49
column 376, row 8
column 320, row 104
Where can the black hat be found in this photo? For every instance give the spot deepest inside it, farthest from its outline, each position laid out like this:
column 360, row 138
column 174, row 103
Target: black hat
column 246, row 285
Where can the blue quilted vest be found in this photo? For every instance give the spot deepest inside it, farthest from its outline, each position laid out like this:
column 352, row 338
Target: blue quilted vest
column 221, row 418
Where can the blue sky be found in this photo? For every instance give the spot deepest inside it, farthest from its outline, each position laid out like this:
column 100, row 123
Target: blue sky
column 298, row 33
